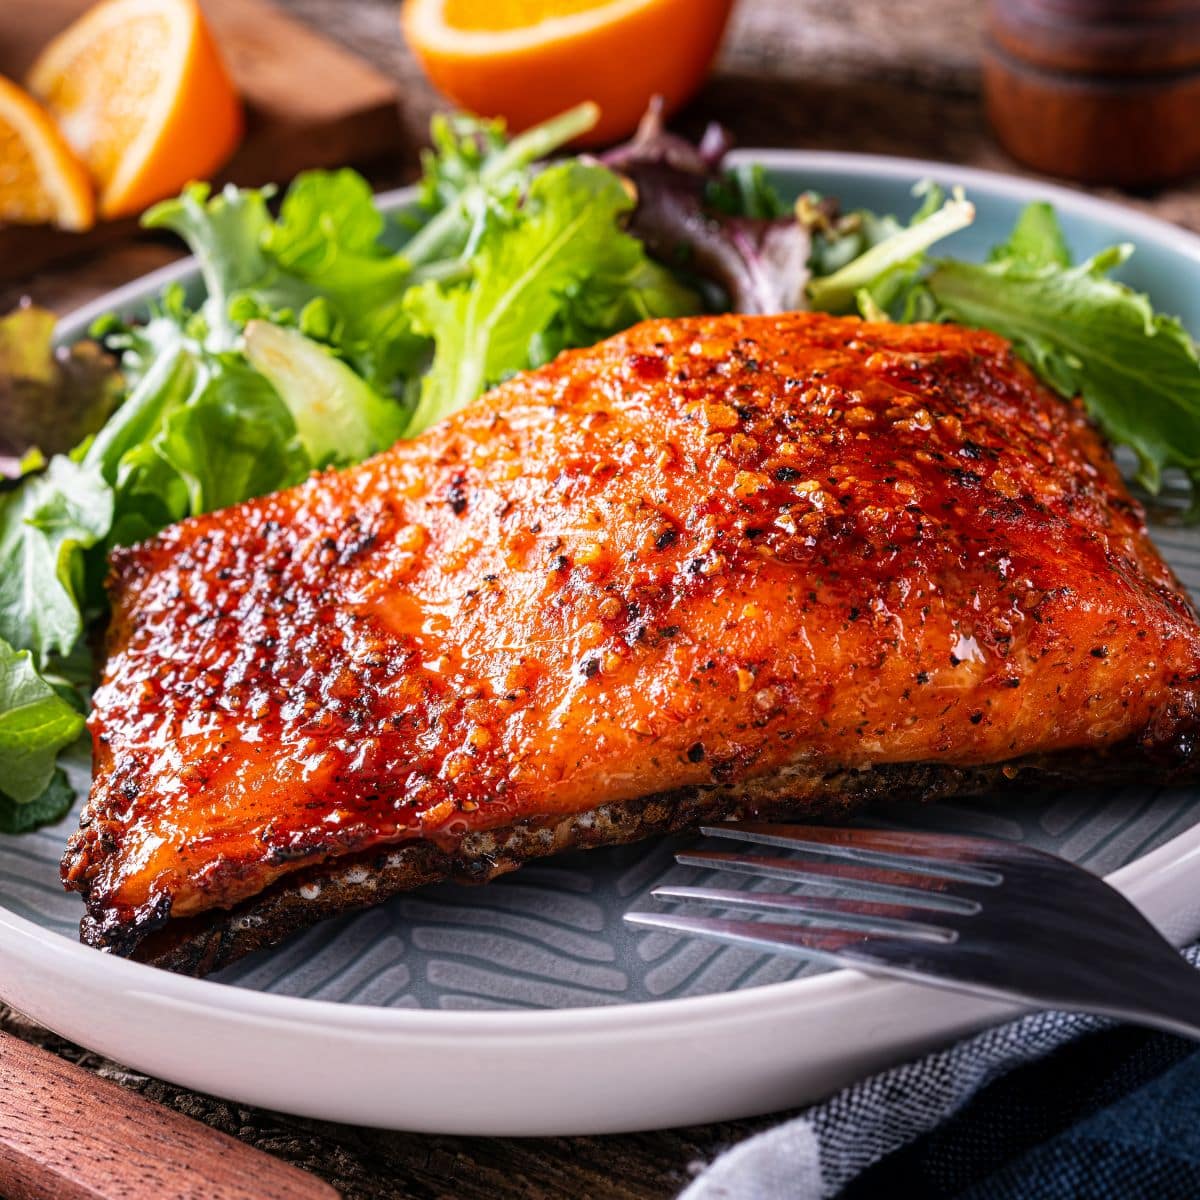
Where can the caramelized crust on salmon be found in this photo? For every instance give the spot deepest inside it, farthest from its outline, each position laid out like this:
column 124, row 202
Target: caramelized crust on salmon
column 709, row 566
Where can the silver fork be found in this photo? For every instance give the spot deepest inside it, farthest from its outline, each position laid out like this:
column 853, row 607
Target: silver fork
column 964, row 913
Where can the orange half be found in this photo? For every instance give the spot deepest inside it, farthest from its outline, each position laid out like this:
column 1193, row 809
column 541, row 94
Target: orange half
column 139, row 90
column 41, row 180
column 527, row 60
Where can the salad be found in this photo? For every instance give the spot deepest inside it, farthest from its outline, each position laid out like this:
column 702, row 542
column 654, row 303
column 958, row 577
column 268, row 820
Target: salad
column 328, row 330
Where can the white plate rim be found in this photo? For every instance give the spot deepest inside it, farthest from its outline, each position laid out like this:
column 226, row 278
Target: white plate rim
column 23, row 941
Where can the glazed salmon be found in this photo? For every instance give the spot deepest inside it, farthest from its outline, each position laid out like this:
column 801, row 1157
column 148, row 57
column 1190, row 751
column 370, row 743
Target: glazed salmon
column 714, row 566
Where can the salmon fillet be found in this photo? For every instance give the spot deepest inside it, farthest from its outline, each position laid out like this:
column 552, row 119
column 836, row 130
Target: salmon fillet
column 709, row 567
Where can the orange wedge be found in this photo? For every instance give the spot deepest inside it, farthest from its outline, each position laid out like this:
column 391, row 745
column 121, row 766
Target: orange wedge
column 41, row 180
column 139, row 90
column 526, row 60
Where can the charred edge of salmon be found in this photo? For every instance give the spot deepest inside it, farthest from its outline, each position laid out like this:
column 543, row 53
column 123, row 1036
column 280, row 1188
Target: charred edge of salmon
column 205, row 943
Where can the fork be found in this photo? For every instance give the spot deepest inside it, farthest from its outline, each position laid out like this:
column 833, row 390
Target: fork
column 965, row 913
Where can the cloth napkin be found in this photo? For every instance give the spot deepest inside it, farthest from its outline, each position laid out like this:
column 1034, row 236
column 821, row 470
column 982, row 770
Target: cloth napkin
column 1053, row 1106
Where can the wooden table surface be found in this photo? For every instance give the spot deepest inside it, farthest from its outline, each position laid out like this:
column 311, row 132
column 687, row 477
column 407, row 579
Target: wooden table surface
column 881, row 76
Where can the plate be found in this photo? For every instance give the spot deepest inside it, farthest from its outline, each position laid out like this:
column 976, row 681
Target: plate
column 527, row 1007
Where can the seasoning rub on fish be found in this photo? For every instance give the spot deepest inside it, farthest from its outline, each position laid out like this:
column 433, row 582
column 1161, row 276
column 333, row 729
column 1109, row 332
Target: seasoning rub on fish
column 708, row 567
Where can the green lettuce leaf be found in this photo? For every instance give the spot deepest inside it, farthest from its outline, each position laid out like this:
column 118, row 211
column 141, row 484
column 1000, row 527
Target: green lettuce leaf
column 164, row 386
column 339, row 418
column 46, row 524
column 611, row 300
column 225, row 232
column 329, row 236
column 233, row 439
column 880, row 278
column 745, row 190
column 35, row 724
column 1036, row 240
column 320, row 266
column 50, row 806
column 472, row 171
column 533, row 272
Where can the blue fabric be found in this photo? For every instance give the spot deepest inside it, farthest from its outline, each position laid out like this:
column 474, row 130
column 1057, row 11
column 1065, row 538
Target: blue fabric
column 1110, row 1115
column 1054, row 1106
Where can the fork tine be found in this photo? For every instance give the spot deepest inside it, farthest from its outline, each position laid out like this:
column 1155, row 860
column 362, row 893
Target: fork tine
column 919, row 891
column 889, row 841
column 1048, row 933
column 961, row 858
column 800, row 941
column 830, row 911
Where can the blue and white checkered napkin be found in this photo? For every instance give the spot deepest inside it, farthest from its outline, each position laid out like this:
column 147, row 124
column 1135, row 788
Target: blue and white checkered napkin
column 1117, row 1115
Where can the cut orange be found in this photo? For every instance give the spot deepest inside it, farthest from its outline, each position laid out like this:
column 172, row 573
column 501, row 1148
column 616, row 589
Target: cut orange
column 526, row 60
column 139, row 90
column 41, row 180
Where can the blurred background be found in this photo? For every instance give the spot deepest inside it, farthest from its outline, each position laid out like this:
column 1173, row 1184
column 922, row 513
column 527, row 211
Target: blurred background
column 338, row 82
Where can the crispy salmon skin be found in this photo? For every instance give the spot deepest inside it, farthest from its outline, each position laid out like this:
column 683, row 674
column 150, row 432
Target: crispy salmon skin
column 727, row 561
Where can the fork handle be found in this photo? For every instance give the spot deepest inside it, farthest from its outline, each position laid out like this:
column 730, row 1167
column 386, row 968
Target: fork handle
column 67, row 1133
column 1174, row 1006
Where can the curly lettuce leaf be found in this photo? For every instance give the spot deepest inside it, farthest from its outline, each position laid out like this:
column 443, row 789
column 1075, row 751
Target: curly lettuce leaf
column 322, row 266
column 534, row 273
column 225, row 233
column 328, row 264
column 233, row 439
column 609, row 301
column 331, row 239
column 474, row 169
column 460, row 150
column 327, row 243
column 328, row 228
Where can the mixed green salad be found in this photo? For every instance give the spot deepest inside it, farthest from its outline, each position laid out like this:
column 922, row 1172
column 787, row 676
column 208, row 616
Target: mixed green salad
column 327, row 330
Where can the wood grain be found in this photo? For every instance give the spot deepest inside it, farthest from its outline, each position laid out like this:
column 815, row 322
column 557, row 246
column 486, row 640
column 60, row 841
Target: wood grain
column 1104, row 94
column 886, row 76
column 68, row 1134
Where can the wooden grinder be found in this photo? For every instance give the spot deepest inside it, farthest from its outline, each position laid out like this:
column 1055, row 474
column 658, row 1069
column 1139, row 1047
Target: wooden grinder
column 1102, row 91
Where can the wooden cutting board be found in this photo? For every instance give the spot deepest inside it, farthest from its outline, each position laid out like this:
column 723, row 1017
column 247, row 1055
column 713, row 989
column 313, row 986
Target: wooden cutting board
column 309, row 103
